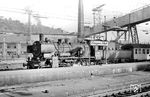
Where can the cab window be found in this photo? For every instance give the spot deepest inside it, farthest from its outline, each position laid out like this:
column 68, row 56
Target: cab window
column 139, row 51
column 143, row 51
column 136, row 51
column 147, row 51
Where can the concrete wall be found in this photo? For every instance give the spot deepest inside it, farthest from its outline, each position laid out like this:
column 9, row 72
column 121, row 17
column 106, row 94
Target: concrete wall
column 53, row 74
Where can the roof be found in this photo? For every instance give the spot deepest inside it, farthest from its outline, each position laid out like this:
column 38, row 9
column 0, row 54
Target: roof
column 131, row 46
column 13, row 38
column 21, row 38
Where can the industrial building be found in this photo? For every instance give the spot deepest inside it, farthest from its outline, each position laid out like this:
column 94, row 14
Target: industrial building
column 15, row 45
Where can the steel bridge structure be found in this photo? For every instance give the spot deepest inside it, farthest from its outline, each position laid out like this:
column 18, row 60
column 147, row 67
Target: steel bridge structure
column 128, row 22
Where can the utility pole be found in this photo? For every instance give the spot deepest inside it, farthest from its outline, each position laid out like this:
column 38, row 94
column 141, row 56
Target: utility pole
column 105, row 27
column 29, row 12
column 94, row 18
column 37, row 17
column 97, row 14
column 39, row 24
column 4, row 53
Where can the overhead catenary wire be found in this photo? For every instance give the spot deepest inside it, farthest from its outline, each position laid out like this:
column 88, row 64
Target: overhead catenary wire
column 33, row 14
column 5, row 10
column 50, row 15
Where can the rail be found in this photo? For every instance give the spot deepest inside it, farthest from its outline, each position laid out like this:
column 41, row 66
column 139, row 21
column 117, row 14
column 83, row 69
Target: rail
column 124, row 90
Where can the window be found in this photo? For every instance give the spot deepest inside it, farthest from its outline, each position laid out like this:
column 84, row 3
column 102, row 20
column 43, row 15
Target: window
column 8, row 46
column 139, row 51
column 100, row 48
column 136, row 51
column 147, row 51
column 143, row 51
column 14, row 46
column 116, row 48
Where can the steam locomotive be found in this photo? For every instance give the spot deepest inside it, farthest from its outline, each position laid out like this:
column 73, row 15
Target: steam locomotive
column 70, row 53
column 67, row 53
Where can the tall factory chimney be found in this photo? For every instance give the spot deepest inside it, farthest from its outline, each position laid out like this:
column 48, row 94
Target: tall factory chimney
column 80, row 19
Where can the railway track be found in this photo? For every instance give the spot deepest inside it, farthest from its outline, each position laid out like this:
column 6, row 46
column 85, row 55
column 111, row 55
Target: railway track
column 134, row 88
column 143, row 91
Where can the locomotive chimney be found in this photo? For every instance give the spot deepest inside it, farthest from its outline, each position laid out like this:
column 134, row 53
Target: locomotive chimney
column 41, row 37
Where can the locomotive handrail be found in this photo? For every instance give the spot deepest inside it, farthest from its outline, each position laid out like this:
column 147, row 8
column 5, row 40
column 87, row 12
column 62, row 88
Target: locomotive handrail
column 63, row 47
column 69, row 46
column 55, row 46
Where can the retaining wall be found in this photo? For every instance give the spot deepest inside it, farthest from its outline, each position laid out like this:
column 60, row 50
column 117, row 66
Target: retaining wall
column 53, row 74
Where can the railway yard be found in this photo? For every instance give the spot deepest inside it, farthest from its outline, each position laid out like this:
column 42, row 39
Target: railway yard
column 55, row 63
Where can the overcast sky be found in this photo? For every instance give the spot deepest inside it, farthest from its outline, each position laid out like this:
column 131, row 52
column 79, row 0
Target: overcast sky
column 63, row 13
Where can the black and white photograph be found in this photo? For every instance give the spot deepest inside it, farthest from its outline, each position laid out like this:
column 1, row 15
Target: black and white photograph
column 75, row 48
